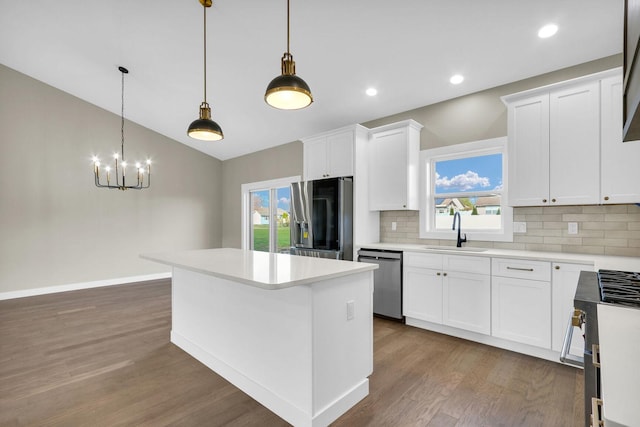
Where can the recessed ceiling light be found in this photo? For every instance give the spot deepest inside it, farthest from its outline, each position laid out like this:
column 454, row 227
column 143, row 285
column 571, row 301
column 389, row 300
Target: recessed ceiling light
column 372, row 91
column 547, row 31
column 457, row 79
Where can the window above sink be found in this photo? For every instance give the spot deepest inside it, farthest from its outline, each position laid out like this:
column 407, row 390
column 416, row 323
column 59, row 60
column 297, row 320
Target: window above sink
column 470, row 179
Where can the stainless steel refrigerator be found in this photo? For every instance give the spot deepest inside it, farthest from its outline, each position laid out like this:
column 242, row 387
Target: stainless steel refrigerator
column 322, row 218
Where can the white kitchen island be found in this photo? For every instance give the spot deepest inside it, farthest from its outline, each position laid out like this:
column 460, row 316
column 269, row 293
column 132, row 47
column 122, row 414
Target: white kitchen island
column 295, row 333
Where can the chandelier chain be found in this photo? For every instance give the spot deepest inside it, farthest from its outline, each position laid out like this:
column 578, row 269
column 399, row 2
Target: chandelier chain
column 122, row 118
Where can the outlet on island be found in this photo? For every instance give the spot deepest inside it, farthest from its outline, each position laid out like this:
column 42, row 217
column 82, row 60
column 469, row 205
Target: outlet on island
column 350, row 310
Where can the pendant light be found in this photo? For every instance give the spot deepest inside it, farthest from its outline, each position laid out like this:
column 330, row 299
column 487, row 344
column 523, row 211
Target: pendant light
column 120, row 173
column 288, row 91
column 204, row 128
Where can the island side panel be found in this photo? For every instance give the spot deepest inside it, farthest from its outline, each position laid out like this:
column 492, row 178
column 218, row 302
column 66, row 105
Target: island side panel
column 342, row 346
column 259, row 340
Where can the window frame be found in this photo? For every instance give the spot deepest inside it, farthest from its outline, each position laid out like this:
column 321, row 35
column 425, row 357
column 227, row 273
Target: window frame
column 246, row 189
column 428, row 195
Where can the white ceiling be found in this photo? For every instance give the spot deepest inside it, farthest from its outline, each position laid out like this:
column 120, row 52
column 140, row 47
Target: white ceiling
column 408, row 49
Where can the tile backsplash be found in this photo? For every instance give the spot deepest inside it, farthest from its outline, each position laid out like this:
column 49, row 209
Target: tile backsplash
column 602, row 230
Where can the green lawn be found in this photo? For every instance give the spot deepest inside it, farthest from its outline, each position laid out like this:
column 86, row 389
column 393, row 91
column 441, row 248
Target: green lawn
column 261, row 237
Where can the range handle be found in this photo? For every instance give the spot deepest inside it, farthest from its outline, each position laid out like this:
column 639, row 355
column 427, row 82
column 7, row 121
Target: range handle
column 565, row 356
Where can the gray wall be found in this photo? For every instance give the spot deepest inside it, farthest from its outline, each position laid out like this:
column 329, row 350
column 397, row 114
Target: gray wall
column 56, row 227
column 482, row 115
column 473, row 117
column 278, row 162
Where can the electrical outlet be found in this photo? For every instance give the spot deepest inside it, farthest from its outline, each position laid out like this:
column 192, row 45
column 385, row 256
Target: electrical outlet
column 519, row 227
column 394, row 225
column 351, row 310
column 573, row 228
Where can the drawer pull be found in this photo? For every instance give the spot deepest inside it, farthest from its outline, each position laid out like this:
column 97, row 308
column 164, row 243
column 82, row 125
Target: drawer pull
column 519, row 269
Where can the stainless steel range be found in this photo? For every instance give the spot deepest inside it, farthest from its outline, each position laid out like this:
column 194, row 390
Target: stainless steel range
column 615, row 291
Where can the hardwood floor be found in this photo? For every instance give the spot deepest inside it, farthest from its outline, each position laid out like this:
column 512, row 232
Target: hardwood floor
column 102, row 357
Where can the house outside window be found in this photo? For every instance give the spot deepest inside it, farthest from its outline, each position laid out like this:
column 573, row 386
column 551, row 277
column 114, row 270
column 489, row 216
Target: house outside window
column 469, row 179
column 265, row 215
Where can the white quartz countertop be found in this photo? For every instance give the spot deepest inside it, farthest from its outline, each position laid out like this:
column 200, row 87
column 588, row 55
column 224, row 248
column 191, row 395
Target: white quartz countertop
column 260, row 269
column 599, row 261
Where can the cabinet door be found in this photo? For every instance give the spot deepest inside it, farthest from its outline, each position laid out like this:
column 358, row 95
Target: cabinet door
column 422, row 294
column 564, row 282
column 315, row 159
column 618, row 160
column 521, row 310
column 574, row 145
column 388, row 164
column 466, row 301
column 528, row 129
column 340, row 154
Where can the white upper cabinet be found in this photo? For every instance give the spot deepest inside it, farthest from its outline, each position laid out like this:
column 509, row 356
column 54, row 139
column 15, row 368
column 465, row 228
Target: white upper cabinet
column 330, row 154
column 574, row 145
column 618, row 160
column 394, row 152
column 565, row 144
column 528, row 129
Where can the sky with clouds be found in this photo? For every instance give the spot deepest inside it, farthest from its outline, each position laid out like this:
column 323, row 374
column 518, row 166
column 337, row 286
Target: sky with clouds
column 480, row 173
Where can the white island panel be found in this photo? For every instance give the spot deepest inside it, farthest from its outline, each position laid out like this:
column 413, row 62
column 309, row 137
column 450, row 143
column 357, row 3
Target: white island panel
column 302, row 347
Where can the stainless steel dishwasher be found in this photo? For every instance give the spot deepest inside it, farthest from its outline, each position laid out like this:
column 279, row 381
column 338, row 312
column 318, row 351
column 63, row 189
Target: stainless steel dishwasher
column 387, row 281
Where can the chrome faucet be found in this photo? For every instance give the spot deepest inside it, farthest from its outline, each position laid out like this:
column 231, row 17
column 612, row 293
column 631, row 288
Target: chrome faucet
column 453, row 227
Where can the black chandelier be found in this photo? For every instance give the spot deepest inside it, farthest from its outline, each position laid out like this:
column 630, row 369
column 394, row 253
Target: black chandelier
column 119, row 173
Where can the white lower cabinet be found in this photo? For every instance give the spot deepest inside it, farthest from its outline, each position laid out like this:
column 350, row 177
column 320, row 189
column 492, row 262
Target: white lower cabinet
column 522, row 305
column 521, row 301
column 521, row 311
column 452, row 290
column 422, row 294
column 466, row 299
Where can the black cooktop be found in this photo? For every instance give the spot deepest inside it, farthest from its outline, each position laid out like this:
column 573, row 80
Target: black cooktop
column 619, row 287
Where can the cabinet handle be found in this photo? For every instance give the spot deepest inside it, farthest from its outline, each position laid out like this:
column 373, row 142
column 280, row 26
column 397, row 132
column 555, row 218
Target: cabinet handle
column 544, row 200
column 557, row 267
column 444, row 274
column 596, row 418
column 519, row 269
column 553, row 200
column 404, row 206
column 438, row 273
column 606, row 197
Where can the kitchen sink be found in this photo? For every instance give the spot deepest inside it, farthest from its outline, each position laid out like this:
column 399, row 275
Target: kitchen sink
column 455, row 249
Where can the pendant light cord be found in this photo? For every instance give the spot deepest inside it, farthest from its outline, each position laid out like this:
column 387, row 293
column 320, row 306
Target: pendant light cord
column 288, row 51
column 205, row 54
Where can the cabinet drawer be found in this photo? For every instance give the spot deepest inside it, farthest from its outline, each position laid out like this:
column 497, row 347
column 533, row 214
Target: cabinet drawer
column 467, row 264
column 522, row 269
column 415, row 259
